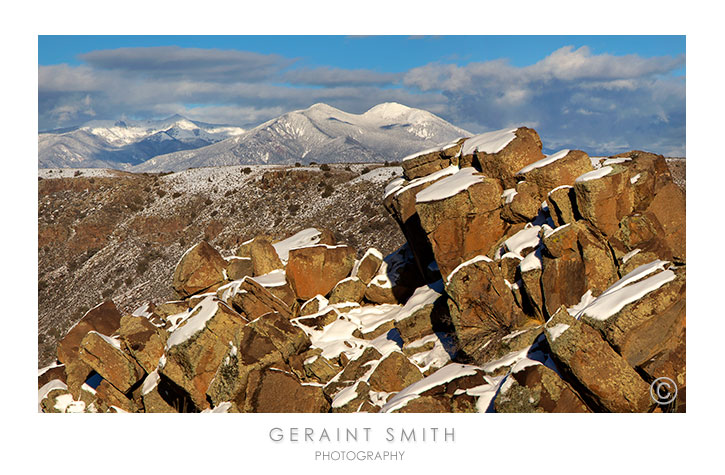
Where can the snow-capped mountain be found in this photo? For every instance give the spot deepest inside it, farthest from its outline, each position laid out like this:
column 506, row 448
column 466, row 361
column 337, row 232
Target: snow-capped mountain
column 322, row 134
column 122, row 144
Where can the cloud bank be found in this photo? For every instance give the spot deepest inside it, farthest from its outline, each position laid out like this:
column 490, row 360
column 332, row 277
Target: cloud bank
column 600, row 103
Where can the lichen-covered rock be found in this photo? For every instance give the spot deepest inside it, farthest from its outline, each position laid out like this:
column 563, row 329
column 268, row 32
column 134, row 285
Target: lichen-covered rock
column 668, row 209
column 481, row 304
column 367, row 267
column 397, row 278
column 561, row 168
column 313, row 305
column 393, row 373
column 537, row 389
column 273, row 390
column 461, row 224
column 524, row 205
column 354, row 370
column 199, row 269
column 253, row 300
column 104, row 319
column 197, row 348
column 316, row 269
column 321, row 368
column 264, row 256
column 604, row 197
column 562, row 205
column 650, row 325
column 587, row 361
column 239, row 267
column 143, row 340
column 108, row 398
column 421, row 321
column 351, row 289
column 521, row 147
column 427, row 162
column 105, row 356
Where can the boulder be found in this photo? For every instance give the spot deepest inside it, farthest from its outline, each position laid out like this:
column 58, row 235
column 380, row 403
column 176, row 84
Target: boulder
column 250, row 350
column 604, row 197
column 313, row 305
column 356, row 398
column 562, row 205
column 600, row 268
column 594, row 368
column 76, row 374
column 561, row 168
column 522, row 147
column 196, row 349
column 143, row 341
column 287, row 338
column 198, row 270
column 426, row 405
column 461, row 217
column 524, row 205
column 103, row 318
column 481, row 305
column 105, row 356
column 562, row 281
column 643, row 232
column 108, row 398
column 239, row 267
column 537, row 389
column 264, row 256
column 351, row 289
column 316, row 269
column 151, row 398
column 270, row 339
column 253, row 300
column 319, row 320
column 423, row 320
column 50, row 374
column 400, row 201
column 575, row 258
column 650, row 173
column 509, row 264
column 430, row 161
column 532, row 296
column 393, row 373
column 354, row 370
column 272, row 390
column 320, row 368
column 670, row 363
column 367, row 267
column 668, row 209
column 648, row 326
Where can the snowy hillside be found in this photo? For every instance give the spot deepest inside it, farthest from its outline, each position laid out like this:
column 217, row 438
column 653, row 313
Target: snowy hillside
column 322, row 134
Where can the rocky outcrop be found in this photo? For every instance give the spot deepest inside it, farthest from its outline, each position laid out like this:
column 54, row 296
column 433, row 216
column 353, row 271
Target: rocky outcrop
column 529, row 284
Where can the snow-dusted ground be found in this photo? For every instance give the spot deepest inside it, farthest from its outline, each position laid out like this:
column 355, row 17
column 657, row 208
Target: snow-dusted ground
column 47, row 173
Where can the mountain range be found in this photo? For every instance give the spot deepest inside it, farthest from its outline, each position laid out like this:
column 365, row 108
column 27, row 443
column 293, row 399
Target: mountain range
column 124, row 143
column 320, row 133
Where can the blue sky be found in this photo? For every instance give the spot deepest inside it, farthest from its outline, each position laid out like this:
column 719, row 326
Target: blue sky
column 599, row 93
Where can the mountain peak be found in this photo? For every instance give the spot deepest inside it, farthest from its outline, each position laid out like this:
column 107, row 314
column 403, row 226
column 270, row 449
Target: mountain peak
column 389, row 110
column 321, row 106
